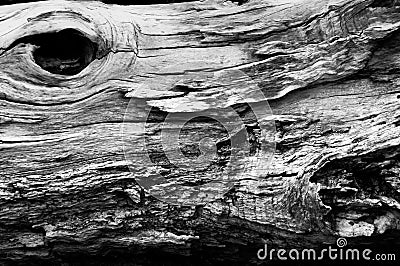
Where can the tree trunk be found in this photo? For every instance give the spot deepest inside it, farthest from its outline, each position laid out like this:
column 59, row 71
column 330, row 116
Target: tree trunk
column 88, row 89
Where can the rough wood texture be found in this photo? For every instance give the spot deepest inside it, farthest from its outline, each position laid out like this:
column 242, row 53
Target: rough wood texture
column 330, row 72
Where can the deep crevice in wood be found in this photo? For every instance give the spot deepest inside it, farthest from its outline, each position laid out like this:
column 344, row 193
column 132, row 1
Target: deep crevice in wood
column 66, row 52
column 385, row 3
column 359, row 190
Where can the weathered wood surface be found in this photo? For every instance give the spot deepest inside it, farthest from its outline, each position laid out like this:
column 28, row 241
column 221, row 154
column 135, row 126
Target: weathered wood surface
column 330, row 72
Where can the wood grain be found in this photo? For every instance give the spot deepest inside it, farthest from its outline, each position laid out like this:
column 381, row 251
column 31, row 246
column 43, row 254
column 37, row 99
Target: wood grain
column 329, row 70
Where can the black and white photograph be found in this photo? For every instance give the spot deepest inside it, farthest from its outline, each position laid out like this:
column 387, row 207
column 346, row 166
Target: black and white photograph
column 208, row 132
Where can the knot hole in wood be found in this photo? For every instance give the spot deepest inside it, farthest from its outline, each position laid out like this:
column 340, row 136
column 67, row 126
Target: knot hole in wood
column 66, row 52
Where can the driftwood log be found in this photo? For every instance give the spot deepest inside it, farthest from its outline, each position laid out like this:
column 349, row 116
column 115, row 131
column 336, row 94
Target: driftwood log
column 329, row 70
